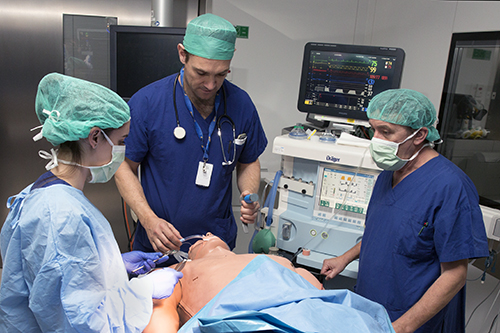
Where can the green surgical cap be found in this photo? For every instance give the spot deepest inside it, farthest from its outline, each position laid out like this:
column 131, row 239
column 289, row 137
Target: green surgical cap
column 210, row 36
column 68, row 108
column 405, row 107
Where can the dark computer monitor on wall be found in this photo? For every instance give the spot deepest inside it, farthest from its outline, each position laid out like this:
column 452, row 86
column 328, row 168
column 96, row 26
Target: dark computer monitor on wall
column 338, row 81
column 141, row 55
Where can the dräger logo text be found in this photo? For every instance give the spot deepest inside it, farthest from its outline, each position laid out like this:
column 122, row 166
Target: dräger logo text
column 332, row 159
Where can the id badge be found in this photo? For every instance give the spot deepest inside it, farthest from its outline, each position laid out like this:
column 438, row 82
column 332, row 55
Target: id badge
column 204, row 174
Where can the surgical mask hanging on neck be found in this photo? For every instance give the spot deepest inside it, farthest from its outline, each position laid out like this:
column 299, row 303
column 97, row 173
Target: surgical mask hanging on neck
column 100, row 174
column 384, row 153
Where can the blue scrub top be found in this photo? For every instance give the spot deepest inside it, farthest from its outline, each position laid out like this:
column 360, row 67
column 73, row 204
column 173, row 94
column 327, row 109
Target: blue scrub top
column 46, row 180
column 169, row 166
column 431, row 216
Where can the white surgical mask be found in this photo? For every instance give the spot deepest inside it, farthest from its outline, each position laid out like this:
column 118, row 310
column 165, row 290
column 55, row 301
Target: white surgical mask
column 103, row 173
column 384, row 153
column 100, row 174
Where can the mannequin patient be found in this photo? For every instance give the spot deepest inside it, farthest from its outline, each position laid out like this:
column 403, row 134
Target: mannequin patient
column 212, row 267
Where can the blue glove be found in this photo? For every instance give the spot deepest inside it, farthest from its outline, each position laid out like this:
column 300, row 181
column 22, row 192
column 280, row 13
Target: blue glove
column 164, row 281
column 137, row 262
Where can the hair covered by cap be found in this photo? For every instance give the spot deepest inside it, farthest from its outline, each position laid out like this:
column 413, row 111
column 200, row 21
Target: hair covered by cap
column 210, row 36
column 405, row 107
column 68, row 108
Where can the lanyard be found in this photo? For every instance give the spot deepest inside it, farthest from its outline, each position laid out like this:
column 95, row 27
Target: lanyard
column 211, row 127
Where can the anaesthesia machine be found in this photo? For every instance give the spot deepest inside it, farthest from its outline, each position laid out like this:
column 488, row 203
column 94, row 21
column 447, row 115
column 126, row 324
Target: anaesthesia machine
column 323, row 196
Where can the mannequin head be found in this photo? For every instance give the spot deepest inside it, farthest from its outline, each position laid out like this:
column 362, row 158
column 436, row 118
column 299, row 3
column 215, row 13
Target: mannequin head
column 206, row 245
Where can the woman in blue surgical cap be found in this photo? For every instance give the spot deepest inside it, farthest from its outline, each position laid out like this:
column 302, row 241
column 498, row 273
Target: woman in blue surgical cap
column 62, row 268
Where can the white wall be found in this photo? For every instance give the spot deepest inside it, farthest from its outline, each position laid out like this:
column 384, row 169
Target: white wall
column 267, row 64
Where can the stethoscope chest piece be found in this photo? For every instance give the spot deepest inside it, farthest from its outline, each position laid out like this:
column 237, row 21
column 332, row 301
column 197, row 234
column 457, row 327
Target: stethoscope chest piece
column 179, row 132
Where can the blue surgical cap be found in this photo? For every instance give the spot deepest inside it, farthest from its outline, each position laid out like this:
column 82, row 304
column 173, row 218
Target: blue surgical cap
column 210, row 36
column 68, row 108
column 405, row 107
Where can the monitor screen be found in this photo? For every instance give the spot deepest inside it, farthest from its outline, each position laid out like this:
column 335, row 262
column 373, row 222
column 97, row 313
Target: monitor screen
column 344, row 193
column 142, row 55
column 340, row 80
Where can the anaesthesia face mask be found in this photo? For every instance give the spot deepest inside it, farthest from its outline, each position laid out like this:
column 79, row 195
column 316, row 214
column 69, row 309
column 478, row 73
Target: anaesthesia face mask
column 384, row 153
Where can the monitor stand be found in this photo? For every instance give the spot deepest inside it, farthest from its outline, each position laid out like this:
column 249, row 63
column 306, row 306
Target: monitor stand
column 335, row 124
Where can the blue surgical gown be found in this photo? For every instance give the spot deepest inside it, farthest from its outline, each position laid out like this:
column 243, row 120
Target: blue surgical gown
column 169, row 166
column 432, row 216
column 62, row 268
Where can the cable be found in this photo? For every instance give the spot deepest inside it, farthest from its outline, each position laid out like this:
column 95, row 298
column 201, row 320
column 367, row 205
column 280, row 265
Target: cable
column 484, row 300
column 360, row 131
column 490, row 262
column 472, row 280
column 493, row 323
column 130, row 235
column 491, row 307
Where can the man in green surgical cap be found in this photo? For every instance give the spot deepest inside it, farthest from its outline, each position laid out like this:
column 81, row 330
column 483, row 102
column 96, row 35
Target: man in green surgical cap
column 189, row 131
column 423, row 222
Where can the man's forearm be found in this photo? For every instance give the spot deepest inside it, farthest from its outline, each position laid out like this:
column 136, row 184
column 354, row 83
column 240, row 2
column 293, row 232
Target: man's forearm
column 353, row 253
column 248, row 175
column 440, row 293
column 131, row 191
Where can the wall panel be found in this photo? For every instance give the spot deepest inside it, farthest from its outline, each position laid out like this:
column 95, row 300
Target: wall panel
column 31, row 39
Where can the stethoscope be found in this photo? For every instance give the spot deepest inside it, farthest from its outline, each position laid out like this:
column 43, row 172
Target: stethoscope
column 180, row 132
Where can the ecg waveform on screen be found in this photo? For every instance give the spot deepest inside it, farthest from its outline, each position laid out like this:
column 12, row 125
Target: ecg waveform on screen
column 341, row 80
column 347, row 76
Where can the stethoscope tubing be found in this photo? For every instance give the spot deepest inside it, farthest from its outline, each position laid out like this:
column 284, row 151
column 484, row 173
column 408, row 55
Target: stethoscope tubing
column 219, row 119
column 180, row 132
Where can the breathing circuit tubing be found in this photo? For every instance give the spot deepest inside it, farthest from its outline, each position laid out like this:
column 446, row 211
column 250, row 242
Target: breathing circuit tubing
column 269, row 202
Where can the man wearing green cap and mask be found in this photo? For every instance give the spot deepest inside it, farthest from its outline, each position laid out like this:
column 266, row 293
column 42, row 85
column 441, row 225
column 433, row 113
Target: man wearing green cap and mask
column 189, row 132
column 422, row 225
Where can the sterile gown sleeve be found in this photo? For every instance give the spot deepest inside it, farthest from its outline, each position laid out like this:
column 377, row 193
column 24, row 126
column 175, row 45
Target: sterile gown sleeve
column 63, row 270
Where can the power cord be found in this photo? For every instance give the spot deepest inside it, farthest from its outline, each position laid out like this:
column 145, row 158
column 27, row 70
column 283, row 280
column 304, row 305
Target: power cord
column 484, row 300
column 490, row 262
